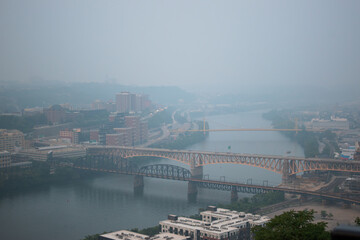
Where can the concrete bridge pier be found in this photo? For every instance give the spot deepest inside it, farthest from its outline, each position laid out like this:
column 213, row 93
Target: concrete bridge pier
column 192, row 191
column 196, row 172
column 138, row 185
column 234, row 195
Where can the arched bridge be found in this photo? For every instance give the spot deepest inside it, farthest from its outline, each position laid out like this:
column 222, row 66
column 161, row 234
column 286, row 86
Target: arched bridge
column 285, row 165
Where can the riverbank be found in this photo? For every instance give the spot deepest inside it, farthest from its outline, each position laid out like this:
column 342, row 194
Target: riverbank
column 307, row 140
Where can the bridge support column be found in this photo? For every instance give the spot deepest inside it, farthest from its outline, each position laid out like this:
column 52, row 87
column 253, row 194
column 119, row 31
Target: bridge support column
column 234, row 195
column 285, row 172
column 138, row 185
column 192, row 191
column 196, row 172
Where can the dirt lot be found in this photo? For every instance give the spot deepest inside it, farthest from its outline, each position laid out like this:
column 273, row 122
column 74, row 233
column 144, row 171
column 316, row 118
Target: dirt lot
column 341, row 215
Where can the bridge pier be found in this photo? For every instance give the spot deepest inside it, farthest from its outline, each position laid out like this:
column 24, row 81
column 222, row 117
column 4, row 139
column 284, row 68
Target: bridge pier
column 285, row 172
column 138, row 185
column 192, row 191
column 234, row 195
column 196, row 172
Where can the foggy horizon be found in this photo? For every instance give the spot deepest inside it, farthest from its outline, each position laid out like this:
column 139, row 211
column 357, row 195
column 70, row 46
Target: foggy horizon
column 215, row 47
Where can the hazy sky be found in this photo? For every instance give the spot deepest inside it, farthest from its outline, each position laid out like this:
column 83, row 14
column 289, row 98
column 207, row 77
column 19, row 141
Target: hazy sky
column 222, row 45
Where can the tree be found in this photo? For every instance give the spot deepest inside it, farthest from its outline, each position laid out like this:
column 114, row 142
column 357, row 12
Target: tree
column 292, row 225
column 357, row 221
column 323, row 214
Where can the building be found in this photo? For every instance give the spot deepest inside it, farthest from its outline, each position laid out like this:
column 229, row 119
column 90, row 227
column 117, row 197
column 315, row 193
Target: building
column 5, row 159
column 11, row 140
column 124, row 102
column 55, row 114
column 143, row 131
column 333, row 123
column 216, row 224
column 128, row 235
column 128, row 135
column 134, row 122
column 45, row 153
column 115, row 139
column 130, row 102
column 94, row 135
column 72, row 136
column 124, row 235
column 357, row 151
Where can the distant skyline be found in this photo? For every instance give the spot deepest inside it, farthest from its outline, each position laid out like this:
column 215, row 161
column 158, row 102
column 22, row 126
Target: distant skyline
column 200, row 46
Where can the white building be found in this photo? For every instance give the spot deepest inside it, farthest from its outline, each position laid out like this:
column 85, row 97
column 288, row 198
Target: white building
column 216, row 223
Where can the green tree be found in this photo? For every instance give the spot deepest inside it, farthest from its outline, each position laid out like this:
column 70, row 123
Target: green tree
column 323, row 214
column 357, row 221
column 292, row 225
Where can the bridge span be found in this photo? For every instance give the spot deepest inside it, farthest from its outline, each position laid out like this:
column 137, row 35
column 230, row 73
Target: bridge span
column 166, row 171
column 284, row 165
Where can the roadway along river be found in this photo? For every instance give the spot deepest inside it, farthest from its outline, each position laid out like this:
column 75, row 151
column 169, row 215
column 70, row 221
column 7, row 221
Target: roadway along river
column 71, row 211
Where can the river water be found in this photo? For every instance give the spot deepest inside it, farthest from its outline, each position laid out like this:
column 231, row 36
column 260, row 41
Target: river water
column 73, row 210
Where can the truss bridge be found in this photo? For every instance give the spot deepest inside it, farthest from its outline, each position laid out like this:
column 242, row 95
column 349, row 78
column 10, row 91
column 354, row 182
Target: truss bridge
column 166, row 171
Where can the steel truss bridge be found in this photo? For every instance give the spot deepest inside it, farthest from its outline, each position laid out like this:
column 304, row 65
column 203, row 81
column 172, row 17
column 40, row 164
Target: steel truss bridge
column 285, row 165
column 166, row 171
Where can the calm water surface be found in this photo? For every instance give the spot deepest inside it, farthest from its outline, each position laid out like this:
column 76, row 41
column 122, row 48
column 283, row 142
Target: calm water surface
column 74, row 210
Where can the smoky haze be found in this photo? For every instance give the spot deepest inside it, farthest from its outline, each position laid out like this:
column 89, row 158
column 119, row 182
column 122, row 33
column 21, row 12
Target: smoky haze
column 200, row 46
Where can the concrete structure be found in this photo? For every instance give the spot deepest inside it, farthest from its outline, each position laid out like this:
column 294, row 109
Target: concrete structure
column 45, row 153
column 5, row 159
column 11, row 140
column 216, row 224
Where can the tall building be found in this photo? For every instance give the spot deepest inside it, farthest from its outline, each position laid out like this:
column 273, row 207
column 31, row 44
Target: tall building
column 10, row 140
column 134, row 122
column 123, row 102
column 130, row 102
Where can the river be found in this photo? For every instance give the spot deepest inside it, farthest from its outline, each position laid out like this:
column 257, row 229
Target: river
column 73, row 210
